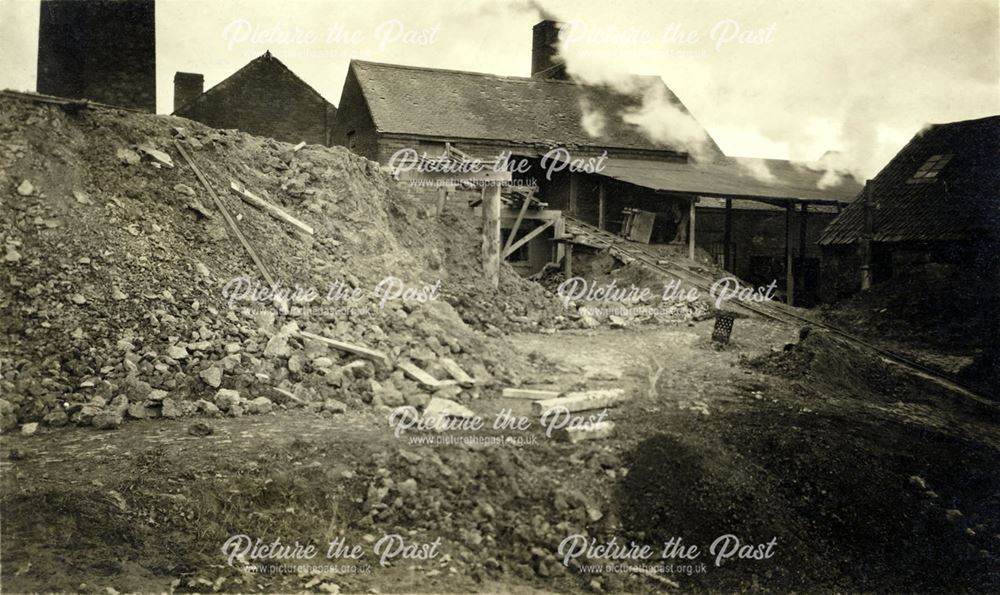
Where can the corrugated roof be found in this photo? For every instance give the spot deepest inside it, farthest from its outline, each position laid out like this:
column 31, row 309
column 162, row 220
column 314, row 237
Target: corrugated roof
column 470, row 105
column 961, row 202
column 734, row 177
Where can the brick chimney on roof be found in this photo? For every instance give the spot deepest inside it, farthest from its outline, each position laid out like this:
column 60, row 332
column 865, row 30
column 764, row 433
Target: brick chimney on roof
column 187, row 87
column 545, row 51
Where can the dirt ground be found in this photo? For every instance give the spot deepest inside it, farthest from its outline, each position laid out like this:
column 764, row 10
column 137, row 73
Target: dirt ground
column 861, row 490
column 226, row 425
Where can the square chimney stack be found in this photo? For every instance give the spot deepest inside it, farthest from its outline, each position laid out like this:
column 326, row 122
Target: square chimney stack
column 102, row 50
column 188, row 86
column 545, row 52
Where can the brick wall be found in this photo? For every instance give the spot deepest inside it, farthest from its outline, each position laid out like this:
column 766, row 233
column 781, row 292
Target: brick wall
column 354, row 128
column 102, row 50
column 266, row 99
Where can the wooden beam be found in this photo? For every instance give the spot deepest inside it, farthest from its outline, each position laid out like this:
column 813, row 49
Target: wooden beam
column 423, row 377
column 225, row 215
column 485, row 175
column 866, row 237
column 491, row 235
column 601, row 206
column 528, row 237
column 560, row 231
column 534, row 214
column 590, row 431
column 455, row 371
column 275, row 212
column 442, row 199
column 568, row 262
column 581, row 401
column 572, row 193
column 517, row 225
column 789, row 273
column 528, row 393
column 803, row 217
column 691, row 229
column 727, row 238
column 371, row 354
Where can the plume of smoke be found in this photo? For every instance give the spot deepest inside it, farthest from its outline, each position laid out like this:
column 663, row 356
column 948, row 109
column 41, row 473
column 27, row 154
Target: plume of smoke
column 757, row 168
column 594, row 120
column 662, row 121
column 657, row 115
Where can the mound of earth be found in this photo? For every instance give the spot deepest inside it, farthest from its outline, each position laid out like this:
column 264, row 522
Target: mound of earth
column 935, row 305
column 119, row 275
column 832, row 366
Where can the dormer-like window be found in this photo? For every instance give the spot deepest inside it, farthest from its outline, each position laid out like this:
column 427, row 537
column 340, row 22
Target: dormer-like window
column 929, row 171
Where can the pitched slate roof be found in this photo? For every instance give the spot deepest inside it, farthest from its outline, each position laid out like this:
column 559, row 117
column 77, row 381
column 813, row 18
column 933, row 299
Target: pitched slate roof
column 470, row 105
column 961, row 201
column 265, row 60
column 775, row 179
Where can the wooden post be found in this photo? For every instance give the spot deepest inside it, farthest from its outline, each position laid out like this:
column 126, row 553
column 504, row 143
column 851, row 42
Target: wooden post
column 572, row 193
column 491, row 234
column 442, row 199
column 560, row 231
column 789, row 274
column 600, row 207
column 803, row 217
column 691, row 229
column 866, row 238
column 568, row 262
column 727, row 238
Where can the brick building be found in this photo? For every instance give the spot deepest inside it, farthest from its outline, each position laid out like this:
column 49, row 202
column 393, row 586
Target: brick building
column 264, row 98
column 101, row 50
column 386, row 108
column 936, row 201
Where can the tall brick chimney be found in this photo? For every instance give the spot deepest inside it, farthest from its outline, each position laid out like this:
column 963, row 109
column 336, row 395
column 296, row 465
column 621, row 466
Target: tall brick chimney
column 102, row 50
column 187, row 86
column 544, row 49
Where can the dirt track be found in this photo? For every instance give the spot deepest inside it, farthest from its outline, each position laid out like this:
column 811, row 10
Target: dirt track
column 715, row 448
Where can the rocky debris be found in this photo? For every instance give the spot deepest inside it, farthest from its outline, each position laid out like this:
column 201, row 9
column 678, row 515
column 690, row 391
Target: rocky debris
column 259, row 405
column 138, row 310
column 128, row 156
column 510, row 510
column 56, row 418
column 137, row 411
column 158, row 157
column 8, row 415
column 177, row 352
column 170, row 409
column 444, row 407
column 200, row 428
column 107, row 420
column 26, row 188
column 334, row 406
column 228, row 400
column 212, row 376
column 29, row 429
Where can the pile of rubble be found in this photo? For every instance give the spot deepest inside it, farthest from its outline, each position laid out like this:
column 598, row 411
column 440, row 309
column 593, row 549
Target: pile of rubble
column 116, row 262
column 521, row 504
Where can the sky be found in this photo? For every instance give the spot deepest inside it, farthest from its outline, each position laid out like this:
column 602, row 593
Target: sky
column 786, row 79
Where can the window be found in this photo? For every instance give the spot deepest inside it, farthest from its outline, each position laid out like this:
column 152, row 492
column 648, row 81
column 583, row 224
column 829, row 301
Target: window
column 929, row 171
